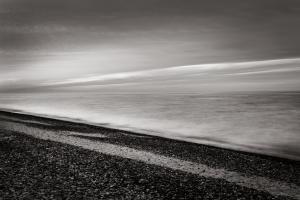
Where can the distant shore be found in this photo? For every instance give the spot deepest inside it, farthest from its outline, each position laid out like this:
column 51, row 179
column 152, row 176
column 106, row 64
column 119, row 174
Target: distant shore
column 68, row 170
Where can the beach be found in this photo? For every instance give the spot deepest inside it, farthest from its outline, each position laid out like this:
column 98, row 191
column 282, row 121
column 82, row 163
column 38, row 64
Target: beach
column 149, row 99
column 49, row 158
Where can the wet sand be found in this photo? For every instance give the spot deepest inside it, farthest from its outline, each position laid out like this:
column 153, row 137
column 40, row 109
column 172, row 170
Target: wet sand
column 39, row 168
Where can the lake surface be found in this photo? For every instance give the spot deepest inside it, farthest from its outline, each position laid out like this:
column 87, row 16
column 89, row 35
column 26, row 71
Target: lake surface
column 263, row 123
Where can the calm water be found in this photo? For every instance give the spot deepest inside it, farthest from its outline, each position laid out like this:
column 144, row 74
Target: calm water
column 264, row 123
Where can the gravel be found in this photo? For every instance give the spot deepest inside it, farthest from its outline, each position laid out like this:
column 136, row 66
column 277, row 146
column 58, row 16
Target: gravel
column 36, row 169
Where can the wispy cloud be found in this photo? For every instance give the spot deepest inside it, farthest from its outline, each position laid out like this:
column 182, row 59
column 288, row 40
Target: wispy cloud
column 293, row 69
column 218, row 69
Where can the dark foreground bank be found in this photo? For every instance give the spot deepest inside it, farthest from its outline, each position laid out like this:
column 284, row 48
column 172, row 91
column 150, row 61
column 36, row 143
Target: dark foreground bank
column 31, row 168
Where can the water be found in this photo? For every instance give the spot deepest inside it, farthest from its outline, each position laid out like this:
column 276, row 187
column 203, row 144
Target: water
column 262, row 123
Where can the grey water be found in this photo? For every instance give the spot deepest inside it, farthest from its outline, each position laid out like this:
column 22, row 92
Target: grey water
column 265, row 123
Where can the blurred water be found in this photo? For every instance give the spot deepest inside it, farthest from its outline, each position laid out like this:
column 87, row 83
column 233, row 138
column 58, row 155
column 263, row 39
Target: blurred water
column 262, row 123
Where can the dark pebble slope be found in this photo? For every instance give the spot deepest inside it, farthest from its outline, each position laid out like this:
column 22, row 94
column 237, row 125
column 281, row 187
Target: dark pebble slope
column 36, row 169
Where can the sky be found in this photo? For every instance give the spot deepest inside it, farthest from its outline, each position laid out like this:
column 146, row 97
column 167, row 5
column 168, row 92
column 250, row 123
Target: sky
column 149, row 45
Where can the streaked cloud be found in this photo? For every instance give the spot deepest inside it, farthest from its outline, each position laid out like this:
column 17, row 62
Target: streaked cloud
column 186, row 72
column 293, row 69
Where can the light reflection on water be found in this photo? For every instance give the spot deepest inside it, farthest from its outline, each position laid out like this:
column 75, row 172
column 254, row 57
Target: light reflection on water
column 264, row 123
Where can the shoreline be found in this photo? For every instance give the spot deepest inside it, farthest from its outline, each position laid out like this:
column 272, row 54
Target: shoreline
column 273, row 175
column 214, row 144
column 74, row 125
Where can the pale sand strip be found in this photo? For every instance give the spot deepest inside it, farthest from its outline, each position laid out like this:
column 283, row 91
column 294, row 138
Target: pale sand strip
column 94, row 135
column 255, row 182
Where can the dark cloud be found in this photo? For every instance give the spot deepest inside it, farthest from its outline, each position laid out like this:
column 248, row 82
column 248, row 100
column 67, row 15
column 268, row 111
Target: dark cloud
column 267, row 24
